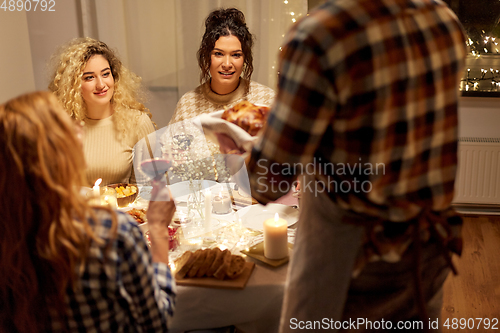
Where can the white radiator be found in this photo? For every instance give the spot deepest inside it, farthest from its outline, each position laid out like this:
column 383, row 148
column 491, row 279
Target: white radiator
column 478, row 176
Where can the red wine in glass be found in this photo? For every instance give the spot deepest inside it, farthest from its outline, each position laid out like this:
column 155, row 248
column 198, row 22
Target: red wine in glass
column 155, row 168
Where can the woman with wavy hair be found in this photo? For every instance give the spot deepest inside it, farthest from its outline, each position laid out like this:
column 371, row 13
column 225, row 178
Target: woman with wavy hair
column 66, row 266
column 94, row 87
column 226, row 64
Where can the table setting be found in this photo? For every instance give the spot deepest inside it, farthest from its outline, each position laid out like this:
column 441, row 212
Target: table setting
column 225, row 223
column 245, row 288
column 252, row 302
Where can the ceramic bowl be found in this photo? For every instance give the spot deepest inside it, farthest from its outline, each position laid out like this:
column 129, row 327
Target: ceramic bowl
column 125, row 199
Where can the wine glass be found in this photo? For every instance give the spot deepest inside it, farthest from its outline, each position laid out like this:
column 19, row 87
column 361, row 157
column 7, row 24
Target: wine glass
column 156, row 168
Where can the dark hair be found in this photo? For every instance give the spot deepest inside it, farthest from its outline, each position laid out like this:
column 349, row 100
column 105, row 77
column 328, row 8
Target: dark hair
column 225, row 22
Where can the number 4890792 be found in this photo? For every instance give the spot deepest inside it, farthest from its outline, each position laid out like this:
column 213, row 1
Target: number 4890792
column 480, row 324
column 28, row 5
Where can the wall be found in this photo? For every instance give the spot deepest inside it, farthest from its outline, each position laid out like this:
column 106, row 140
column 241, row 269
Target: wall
column 15, row 56
column 47, row 31
column 314, row 3
column 44, row 32
column 479, row 117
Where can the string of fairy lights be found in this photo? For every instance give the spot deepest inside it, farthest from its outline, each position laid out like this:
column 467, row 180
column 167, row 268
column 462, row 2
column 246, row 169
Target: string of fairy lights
column 479, row 78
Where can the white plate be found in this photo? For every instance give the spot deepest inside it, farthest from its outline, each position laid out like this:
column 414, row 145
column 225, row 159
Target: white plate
column 254, row 216
column 178, row 189
column 212, row 124
column 181, row 189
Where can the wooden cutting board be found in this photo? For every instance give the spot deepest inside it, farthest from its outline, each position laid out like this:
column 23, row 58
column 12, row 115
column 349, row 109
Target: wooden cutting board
column 210, row 282
column 257, row 252
column 242, row 201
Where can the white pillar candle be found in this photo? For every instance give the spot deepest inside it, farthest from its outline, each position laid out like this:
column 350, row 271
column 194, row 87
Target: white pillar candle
column 275, row 238
column 208, row 210
column 222, row 203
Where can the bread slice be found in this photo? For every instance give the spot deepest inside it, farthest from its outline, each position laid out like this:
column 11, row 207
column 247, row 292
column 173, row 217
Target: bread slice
column 220, row 273
column 200, row 258
column 184, row 263
column 236, row 267
column 216, row 263
column 209, row 259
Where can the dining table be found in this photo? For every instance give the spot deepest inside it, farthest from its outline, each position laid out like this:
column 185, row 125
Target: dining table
column 256, row 308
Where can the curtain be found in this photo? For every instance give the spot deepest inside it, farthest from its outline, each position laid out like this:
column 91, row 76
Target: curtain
column 267, row 20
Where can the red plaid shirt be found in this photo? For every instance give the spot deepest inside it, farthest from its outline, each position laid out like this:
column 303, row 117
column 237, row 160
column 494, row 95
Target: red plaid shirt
column 368, row 96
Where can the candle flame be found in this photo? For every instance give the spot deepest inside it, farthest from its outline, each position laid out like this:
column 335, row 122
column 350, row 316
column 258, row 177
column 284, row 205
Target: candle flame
column 98, row 182
column 172, row 266
column 276, row 217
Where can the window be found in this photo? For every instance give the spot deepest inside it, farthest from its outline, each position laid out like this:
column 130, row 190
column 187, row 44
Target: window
column 480, row 20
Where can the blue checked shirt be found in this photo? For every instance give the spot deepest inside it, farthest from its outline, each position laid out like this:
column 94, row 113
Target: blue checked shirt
column 120, row 290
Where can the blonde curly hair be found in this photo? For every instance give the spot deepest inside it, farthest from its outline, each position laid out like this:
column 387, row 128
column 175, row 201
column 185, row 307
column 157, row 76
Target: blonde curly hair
column 66, row 83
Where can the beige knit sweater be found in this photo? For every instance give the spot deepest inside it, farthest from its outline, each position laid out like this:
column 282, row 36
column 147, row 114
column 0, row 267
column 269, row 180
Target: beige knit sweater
column 106, row 156
column 204, row 100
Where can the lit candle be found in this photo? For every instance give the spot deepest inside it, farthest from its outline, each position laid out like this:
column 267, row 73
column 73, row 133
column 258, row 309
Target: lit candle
column 96, row 188
column 275, row 238
column 222, row 203
column 208, row 209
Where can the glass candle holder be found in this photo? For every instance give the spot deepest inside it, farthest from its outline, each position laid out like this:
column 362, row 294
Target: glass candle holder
column 106, row 197
column 221, row 202
column 190, row 223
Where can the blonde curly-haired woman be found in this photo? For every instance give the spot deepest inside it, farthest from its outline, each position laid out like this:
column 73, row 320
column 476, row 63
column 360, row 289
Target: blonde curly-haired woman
column 66, row 266
column 94, row 87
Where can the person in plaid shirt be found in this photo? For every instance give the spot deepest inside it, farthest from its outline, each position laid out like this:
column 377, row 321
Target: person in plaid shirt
column 366, row 112
column 66, row 266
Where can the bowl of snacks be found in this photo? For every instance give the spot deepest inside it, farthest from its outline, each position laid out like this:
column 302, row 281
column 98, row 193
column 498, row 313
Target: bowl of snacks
column 125, row 193
column 139, row 214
